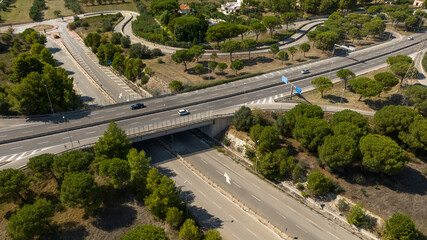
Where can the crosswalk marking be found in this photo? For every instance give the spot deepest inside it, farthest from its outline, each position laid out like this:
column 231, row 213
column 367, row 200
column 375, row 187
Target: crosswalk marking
column 11, row 157
column 263, row 101
column 20, row 157
column 269, row 101
column 1, row 159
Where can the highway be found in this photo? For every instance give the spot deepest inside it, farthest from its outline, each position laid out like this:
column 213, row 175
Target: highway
column 208, row 205
column 284, row 212
column 215, row 98
column 89, row 94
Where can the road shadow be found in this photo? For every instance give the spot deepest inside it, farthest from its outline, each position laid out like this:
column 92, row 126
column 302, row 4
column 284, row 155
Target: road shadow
column 205, row 219
column 187, row 196
column 58, row 118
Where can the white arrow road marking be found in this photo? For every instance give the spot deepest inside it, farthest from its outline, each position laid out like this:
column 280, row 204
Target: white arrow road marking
column 227, row 178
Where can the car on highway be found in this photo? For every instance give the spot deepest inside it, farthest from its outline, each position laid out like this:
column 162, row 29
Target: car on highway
column 137, row 106
column 183, row 112
column 304, row 71
column 410, row 38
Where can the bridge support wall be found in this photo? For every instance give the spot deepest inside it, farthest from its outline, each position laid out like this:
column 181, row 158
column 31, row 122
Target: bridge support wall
column 219, row 125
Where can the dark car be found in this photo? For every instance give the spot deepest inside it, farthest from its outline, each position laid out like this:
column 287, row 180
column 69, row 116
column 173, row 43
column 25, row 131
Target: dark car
column 137, row 106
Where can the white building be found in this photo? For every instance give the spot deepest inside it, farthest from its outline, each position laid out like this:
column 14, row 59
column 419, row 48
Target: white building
column 231, row 7
column 418, row 3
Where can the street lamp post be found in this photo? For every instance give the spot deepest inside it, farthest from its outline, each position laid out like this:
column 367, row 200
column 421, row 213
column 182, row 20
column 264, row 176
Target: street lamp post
column 51, row 107
column 68, row 132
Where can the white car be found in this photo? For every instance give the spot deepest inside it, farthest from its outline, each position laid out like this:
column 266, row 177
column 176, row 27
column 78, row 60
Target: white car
column 410, row 38
column 304, row 71
column 183, row 112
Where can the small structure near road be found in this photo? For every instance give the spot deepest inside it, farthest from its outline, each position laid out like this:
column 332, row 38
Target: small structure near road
column 418, row 3
column 184, row 9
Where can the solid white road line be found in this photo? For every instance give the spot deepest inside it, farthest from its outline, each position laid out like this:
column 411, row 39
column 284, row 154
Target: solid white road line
column 90, row 132
column 259, row 200
column 16, row 148
column 236, row 184
column 217, row 205
column 43, row 142
column 280, row 215
column 251, row 232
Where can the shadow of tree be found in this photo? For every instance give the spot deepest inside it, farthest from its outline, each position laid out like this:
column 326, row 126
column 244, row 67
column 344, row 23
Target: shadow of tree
column 335, row 99
column 262, row 59
column 70, row 230
column 187, row 196
column 112, row 218
column 166, row 171
column 204, row 218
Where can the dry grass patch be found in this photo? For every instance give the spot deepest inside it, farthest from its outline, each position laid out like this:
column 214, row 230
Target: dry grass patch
column 116, row 6
column 56, row 5
column 350, row 99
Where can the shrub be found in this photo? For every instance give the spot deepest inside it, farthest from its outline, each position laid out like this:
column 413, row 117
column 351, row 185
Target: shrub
column 226, row 142
column 160, row 60
column 300, row 186
column 342, row 206
column 156, row 52
column 144, row 79
column 304, row 194
column 318, row 184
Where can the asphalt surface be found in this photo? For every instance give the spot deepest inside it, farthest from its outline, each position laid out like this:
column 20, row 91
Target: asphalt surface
column 246, row 91
column 206, row 204
column 89, row 94
column 282, row 211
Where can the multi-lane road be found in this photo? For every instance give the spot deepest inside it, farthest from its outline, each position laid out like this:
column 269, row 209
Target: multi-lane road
column 85, row 126
column 240, row 92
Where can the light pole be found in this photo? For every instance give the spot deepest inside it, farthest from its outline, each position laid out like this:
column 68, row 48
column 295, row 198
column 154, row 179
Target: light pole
column 51, row 107
column 68, row 132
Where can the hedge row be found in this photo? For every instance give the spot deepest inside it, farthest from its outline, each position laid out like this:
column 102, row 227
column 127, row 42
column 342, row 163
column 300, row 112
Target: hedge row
column 424, row 62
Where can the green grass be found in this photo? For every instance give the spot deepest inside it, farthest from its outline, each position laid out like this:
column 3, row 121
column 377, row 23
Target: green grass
column 17, row 14
column 56, row 5
column 20, row 13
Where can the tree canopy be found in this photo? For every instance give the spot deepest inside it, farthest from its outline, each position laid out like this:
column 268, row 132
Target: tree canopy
column 391, row 120
column 31, row 220
column 189, row 231
column 382, row 154
column 400, row 226
column 366, row 87
column 417, row 95
column 42, row 164
column 116, row 171
column 350, row 116
column 302, row 110
column 346, row 75
column 113, row 144
column 230, row 47
column 338, row 151
column 318, row 184
column 243, row 119
column 322, row 84
column 271, row 22
column 416, row 136
column 310, row 132
column 183, row 56
column 80, row 190
column 138, row 164
column 12, row 182
column 145, row 232
column 70, row 162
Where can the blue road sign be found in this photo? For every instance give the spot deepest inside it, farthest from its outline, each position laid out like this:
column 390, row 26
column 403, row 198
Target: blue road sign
column 109, row 62
column 298, row 90
column 284, row 79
